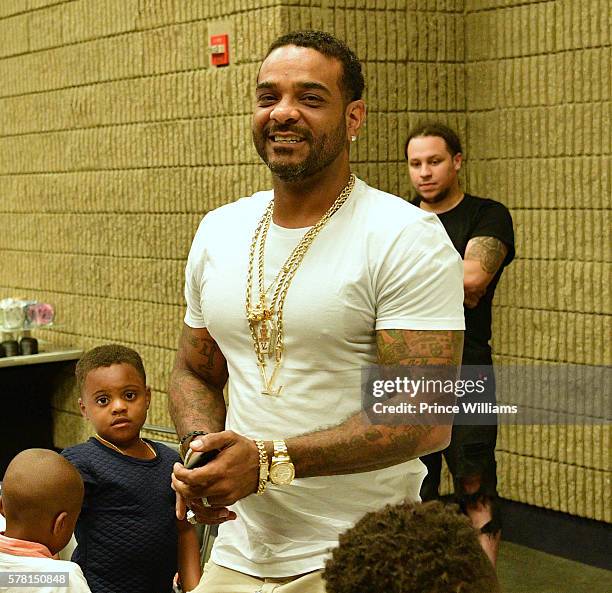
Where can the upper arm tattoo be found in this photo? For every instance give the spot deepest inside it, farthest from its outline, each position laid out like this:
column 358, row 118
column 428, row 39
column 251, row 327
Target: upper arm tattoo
column 419, row 347
column 489, row 251
column 196, row 384
column 202, row 355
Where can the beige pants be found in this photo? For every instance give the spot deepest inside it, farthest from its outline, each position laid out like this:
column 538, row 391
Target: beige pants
column 218, row 579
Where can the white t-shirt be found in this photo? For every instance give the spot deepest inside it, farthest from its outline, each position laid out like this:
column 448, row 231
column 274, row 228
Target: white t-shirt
column 379, row 263
column 41, row 568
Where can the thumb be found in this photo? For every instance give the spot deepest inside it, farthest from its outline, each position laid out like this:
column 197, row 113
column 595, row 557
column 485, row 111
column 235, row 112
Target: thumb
column 213, row 440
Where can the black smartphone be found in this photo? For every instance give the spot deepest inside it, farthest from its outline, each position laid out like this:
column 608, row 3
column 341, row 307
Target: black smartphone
column 198, row 459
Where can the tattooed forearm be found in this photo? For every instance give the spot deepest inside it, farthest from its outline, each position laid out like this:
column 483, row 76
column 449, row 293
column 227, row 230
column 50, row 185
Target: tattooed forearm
column 193, row 405
column 354, row 447
column 357, row 445
column 195, row 394
column 489, row 251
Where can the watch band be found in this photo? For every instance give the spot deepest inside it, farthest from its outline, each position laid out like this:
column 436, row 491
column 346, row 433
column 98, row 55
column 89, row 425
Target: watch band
column 280, row 449
column 263, row 467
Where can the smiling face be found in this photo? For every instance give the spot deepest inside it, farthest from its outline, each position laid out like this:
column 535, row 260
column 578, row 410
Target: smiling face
column 433, row 170
column 301, row 122
column 115, row 400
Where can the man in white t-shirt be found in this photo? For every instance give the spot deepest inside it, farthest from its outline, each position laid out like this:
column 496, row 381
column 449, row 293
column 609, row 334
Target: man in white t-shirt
column 290, row 294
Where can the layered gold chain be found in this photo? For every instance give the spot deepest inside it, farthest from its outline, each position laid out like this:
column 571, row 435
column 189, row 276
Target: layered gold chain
column 268, row 320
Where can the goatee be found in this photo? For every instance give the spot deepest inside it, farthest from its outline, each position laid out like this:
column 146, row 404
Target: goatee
column 439, row 197
column 323, row 151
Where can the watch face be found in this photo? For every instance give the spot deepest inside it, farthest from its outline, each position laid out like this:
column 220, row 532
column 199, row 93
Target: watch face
column 282, row 473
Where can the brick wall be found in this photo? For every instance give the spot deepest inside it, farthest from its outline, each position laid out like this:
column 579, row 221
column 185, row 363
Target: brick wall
column 116, row 137
column 539, row 100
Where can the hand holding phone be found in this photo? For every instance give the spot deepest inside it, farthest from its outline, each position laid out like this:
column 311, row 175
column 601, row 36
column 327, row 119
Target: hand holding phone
column 195, row 459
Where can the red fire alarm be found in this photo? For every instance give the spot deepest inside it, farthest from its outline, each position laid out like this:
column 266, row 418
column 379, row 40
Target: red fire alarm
column 219, row 50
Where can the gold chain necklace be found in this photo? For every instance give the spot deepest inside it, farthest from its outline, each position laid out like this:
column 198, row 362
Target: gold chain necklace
column 266, row 322
column 109, row 444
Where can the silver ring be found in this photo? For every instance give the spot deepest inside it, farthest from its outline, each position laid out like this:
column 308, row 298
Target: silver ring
column 205, row 501
column 191, row 517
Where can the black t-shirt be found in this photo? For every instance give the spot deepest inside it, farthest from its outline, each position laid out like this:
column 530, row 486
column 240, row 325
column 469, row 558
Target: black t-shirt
column 126, row 532
column 479, row 217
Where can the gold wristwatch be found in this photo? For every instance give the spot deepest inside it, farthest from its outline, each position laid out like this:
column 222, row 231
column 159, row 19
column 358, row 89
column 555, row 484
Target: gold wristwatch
column 282, row 471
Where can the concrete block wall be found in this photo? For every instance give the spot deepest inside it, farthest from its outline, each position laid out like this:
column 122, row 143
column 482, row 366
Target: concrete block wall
column 539, row 107
column 116, row 137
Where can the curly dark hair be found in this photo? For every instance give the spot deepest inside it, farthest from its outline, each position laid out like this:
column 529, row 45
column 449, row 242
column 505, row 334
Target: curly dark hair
column 411, row 548
column 435, row 128
column 352, row 82
column 105, row 356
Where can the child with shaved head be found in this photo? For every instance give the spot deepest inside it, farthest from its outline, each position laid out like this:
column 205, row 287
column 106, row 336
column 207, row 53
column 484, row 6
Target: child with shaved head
column 41, row 499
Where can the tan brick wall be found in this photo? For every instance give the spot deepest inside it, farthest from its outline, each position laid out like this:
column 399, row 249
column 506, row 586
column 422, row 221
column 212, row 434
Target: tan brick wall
column 539, row 100
column 116, row 136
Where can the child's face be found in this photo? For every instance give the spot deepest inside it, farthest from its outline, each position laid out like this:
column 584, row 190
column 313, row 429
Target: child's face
column 115, row 400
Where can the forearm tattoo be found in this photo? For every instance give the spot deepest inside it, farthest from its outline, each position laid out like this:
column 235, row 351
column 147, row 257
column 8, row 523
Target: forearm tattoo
column 353, row 448
column 357, row 446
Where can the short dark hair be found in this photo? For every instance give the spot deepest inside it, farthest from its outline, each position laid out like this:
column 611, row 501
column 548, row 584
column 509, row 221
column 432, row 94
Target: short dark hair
column 105, row 356
column 435, row 128
column 352, row 82
column 411, row 548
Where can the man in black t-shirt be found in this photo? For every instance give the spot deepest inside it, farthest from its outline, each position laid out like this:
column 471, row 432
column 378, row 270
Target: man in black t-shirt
column 481, row 231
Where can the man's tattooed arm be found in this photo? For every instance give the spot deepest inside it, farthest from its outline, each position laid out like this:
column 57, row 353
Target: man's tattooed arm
column 356, row 445
column 483, row 257
column 196, row 384
column 419, row 347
